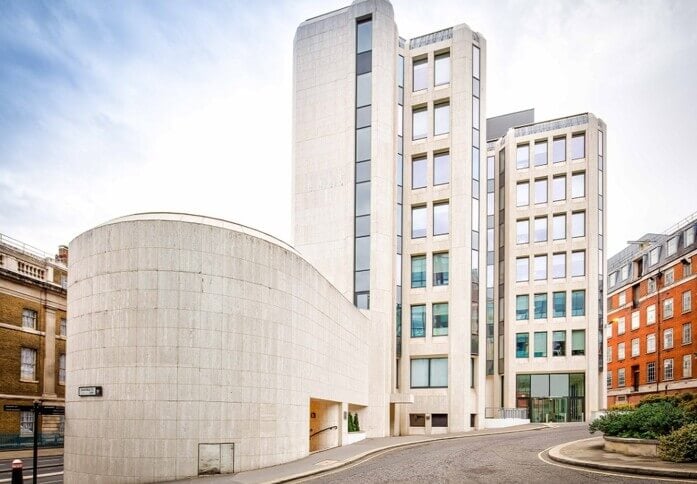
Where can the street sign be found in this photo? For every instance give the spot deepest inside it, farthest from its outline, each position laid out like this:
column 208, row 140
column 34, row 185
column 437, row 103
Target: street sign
column 18, row 408
column 89, row 391
column 53, row 410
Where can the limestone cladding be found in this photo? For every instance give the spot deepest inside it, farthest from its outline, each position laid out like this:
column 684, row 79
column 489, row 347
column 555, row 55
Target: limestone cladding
column 200, row 331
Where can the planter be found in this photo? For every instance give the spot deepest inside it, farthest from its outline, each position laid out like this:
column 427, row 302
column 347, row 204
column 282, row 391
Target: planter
column 354, row 437
column 636, row 447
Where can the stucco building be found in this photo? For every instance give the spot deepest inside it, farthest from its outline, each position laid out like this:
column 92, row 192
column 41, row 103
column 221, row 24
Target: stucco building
column 650, row 346
column 32, row 337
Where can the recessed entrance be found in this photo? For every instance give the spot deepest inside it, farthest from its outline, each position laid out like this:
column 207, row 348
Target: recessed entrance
column 325, row 424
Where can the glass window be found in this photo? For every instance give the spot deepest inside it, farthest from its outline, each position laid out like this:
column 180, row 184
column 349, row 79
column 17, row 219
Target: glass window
column 362, row 253
column 635, row 320
column 578, row 224
column 420, row 74
column 522, row 307
column 362, row 199
column 541, row 306
column 418, row 271
column 668, row 369
column 363, row 171
column 540, row 348
column 417, row 419
column 541, row 229
column 540, row 267
column 61, row 370
column 522, row 344
column 672, row 246
column 689, row 237
column 559, row 265
column 419, row 123
column 650, row 343
column 578, row 263
column 26, row 424
column 441, row 168
column 687, row 366
column 441, row 269
column 364, row 36
column 439, row 372
column 578, row 303
column 418, row 222
column 620, row 351
column 653, row 255
column 559, row 150
column 523, row 231
column 28, row 364
column 63, row 327
column 362, row 144
column 439, row 420
column 669, row 277
column 541, row 191
column 418, row 321
column 441, row 118
column 635, row 347
column 442, row 70
column 540, row 153
column 651, row 314
column 559, row 343
column 559, row 304
column 686, row 301
column 559, row 188
column 522, row 269
column 578, row 185
column 578, row 342
column 620, row 377
column 419, row 373
column 441, row 222
column 440, row 319
column 578, row 146
column 651, row 372
column 667, row 338
column 475, row 120
column 363, row 90
column 523, row 156
column 620, row 326
column 29, row 318
column 522, row 194
column 559, row 226
column 418, row 172
column 608, row 379
column 668, row 308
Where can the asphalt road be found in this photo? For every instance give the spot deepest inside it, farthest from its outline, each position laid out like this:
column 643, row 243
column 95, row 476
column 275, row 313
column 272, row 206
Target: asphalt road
column 507, row 458
column 46, row 465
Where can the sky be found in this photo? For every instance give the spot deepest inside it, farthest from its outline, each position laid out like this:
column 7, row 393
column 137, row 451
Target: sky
column 111, row 108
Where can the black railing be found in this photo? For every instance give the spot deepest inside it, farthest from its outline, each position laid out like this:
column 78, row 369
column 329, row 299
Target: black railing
column 320, row 431
column 16, row 441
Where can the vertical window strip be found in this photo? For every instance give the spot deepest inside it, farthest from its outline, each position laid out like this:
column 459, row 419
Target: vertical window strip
column 399, row 209
column 476, row 161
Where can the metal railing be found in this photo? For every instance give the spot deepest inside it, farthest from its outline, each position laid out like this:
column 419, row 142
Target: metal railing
column 24, row 248
column 498, row 412
column 17, row 441
column 333, row 427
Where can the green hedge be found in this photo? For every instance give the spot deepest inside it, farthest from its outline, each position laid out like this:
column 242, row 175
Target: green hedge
column 679, row 446
column 649, row 420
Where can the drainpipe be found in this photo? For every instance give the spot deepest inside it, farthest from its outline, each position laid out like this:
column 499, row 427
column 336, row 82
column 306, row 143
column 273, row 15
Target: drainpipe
column 659, row 336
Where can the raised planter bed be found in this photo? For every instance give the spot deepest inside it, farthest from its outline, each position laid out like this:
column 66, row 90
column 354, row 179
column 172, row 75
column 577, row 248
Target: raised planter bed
column 354, row 437
column 637, row 447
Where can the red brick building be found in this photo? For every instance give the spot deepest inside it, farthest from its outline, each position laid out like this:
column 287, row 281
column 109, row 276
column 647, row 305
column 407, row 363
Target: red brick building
column 651, row 316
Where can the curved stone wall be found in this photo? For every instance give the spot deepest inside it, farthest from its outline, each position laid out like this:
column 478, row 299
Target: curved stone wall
column 199, row 331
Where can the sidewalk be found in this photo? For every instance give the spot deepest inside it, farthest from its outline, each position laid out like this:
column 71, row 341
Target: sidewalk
column 24, row 453
column 590, row 453
column 340, row 456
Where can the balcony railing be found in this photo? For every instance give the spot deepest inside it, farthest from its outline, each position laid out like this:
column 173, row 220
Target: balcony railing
column 498, row 412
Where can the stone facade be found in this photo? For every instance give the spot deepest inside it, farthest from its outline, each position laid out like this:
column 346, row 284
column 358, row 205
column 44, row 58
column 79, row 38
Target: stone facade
column 30, row 281
column 201, row 331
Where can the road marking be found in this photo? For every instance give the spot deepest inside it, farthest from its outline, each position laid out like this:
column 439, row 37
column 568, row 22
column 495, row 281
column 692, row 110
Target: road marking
column 547, row 460
column 49, row 474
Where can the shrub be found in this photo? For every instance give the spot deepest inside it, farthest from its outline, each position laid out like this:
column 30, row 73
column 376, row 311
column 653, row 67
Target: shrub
column 648, row 421
column 622, row 407
column 355, row 422
column 351, row 425
column 680, row 445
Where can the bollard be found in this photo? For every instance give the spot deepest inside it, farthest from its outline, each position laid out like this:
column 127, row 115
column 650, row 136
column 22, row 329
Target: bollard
column 17, row 468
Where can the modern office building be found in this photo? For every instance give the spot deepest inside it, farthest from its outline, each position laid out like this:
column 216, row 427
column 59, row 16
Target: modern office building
column 651, row 284
column 430, row 231
column 32, row 338
column 405, row 298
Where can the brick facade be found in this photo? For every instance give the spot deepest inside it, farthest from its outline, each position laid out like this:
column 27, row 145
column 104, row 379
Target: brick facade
column 641, row 304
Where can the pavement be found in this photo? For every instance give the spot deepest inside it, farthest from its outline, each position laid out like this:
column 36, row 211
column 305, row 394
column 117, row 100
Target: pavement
column 323, row 461
column 591, row 454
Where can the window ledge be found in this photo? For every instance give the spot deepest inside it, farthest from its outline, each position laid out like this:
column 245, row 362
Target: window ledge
column 23, row 380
